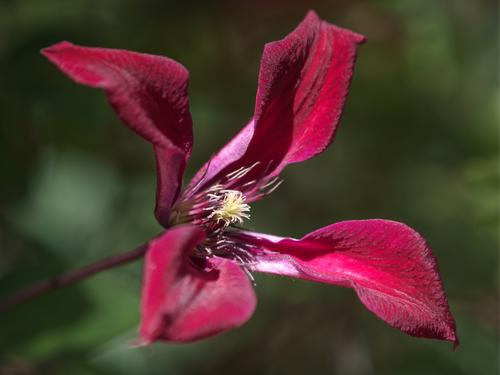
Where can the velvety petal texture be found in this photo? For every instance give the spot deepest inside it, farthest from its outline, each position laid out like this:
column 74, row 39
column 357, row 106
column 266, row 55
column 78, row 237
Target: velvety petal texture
column 191, row 293
column 149, row 94
column 179, row 302
column 303, row 84
column 388, row 264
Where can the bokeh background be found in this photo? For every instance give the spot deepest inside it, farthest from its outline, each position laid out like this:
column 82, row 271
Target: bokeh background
column 418, row 143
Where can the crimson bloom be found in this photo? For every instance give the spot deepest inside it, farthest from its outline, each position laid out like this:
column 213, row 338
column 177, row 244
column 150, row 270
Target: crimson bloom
column 198, row 272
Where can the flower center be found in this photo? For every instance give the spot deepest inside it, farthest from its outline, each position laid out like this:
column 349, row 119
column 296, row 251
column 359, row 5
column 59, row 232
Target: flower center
column 231, row 207
column 224, row 204
column 214, row 208
column 220, row 209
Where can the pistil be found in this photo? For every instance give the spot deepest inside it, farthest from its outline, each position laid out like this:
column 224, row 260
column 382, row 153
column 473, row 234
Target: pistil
column 221, row 210
column 231, row 209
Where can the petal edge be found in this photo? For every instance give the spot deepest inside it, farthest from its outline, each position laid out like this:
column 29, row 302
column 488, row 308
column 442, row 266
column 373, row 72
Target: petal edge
column 388, row 264
column 181, row 303
column 149, row 94
column 302, row 88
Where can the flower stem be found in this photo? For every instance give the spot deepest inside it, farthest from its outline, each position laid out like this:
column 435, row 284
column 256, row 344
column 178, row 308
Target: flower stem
column 71, row 277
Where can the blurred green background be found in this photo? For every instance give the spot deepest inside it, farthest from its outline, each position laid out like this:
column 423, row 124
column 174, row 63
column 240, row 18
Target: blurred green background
column 418, row 143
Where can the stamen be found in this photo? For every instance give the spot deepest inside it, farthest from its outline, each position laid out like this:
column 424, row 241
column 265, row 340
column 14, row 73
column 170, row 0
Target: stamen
column 250, row 276
column 233, row 173
column 219, row 209
column 232, row 208
column 240, row 172
column 192, row 189
column 276, row 183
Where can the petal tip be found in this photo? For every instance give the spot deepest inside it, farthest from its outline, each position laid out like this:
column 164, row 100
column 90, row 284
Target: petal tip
column 313, row 17
column 354, row 37
column 54, row 48
column 453, row 337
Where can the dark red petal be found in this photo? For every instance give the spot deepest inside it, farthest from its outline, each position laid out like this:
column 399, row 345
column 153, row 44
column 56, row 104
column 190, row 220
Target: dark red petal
column 149, row 94
column 388, row 264
column 180, row 303
column 303, row 84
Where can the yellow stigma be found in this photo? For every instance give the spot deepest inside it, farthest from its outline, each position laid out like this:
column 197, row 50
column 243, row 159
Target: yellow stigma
column 232, row 208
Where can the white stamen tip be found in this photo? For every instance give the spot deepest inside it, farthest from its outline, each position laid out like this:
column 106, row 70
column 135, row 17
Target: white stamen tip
column 231, row 209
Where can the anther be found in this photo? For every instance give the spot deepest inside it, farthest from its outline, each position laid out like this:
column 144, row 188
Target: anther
column 231, row 209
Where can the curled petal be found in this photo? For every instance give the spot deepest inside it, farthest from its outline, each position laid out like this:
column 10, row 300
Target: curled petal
column 182, row 303
column 388, row 264
column 149, row 94
column 303, row 84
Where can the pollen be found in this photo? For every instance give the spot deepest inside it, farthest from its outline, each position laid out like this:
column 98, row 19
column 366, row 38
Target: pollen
column 231, row 208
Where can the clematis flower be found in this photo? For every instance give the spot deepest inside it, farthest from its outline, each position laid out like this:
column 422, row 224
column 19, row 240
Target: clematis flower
column 198, row 272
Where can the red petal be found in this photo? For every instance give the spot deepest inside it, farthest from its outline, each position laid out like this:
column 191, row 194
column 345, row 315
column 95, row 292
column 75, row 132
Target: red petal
column 179, row 302
column 387, row 263
column 149, row 94
column 303, row 84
